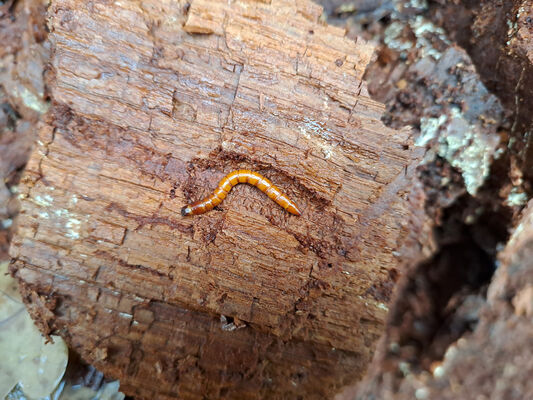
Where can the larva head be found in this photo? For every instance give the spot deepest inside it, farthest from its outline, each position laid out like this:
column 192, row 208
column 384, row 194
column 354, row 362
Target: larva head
column 186, row 211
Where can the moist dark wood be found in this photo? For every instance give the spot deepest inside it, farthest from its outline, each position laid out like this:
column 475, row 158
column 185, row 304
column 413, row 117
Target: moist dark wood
column 474, row 365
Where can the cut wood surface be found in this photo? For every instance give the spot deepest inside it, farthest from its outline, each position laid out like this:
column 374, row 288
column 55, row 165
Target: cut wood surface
column 154, row 102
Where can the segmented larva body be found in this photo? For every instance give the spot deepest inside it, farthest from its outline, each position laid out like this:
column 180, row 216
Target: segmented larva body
column 234, row 178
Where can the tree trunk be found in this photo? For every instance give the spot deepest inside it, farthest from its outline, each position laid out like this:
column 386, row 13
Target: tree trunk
column 154, row 102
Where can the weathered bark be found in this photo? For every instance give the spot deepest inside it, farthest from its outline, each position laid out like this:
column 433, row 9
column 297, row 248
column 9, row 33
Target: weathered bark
column 154, row 103
column 444, row 338
column 22, row 99
column 495, row 360
column 498, row 36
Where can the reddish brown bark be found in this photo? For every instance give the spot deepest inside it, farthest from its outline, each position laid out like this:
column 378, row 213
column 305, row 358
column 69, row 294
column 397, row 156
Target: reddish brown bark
column 154, row 103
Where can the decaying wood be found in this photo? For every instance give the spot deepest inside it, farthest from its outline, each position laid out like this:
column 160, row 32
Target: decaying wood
column 156, row 101
column 498, row 37
column 503, row 337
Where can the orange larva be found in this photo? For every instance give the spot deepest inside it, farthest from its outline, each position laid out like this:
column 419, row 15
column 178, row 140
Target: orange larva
column 234, row 178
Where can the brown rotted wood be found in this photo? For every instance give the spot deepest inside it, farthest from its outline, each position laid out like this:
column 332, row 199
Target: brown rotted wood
column 155, row 102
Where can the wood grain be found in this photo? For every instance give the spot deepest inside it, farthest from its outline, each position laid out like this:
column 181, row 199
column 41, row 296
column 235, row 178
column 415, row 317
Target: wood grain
column 154, row 102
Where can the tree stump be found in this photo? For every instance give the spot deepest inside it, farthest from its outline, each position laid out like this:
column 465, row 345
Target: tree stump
column 154, row 102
